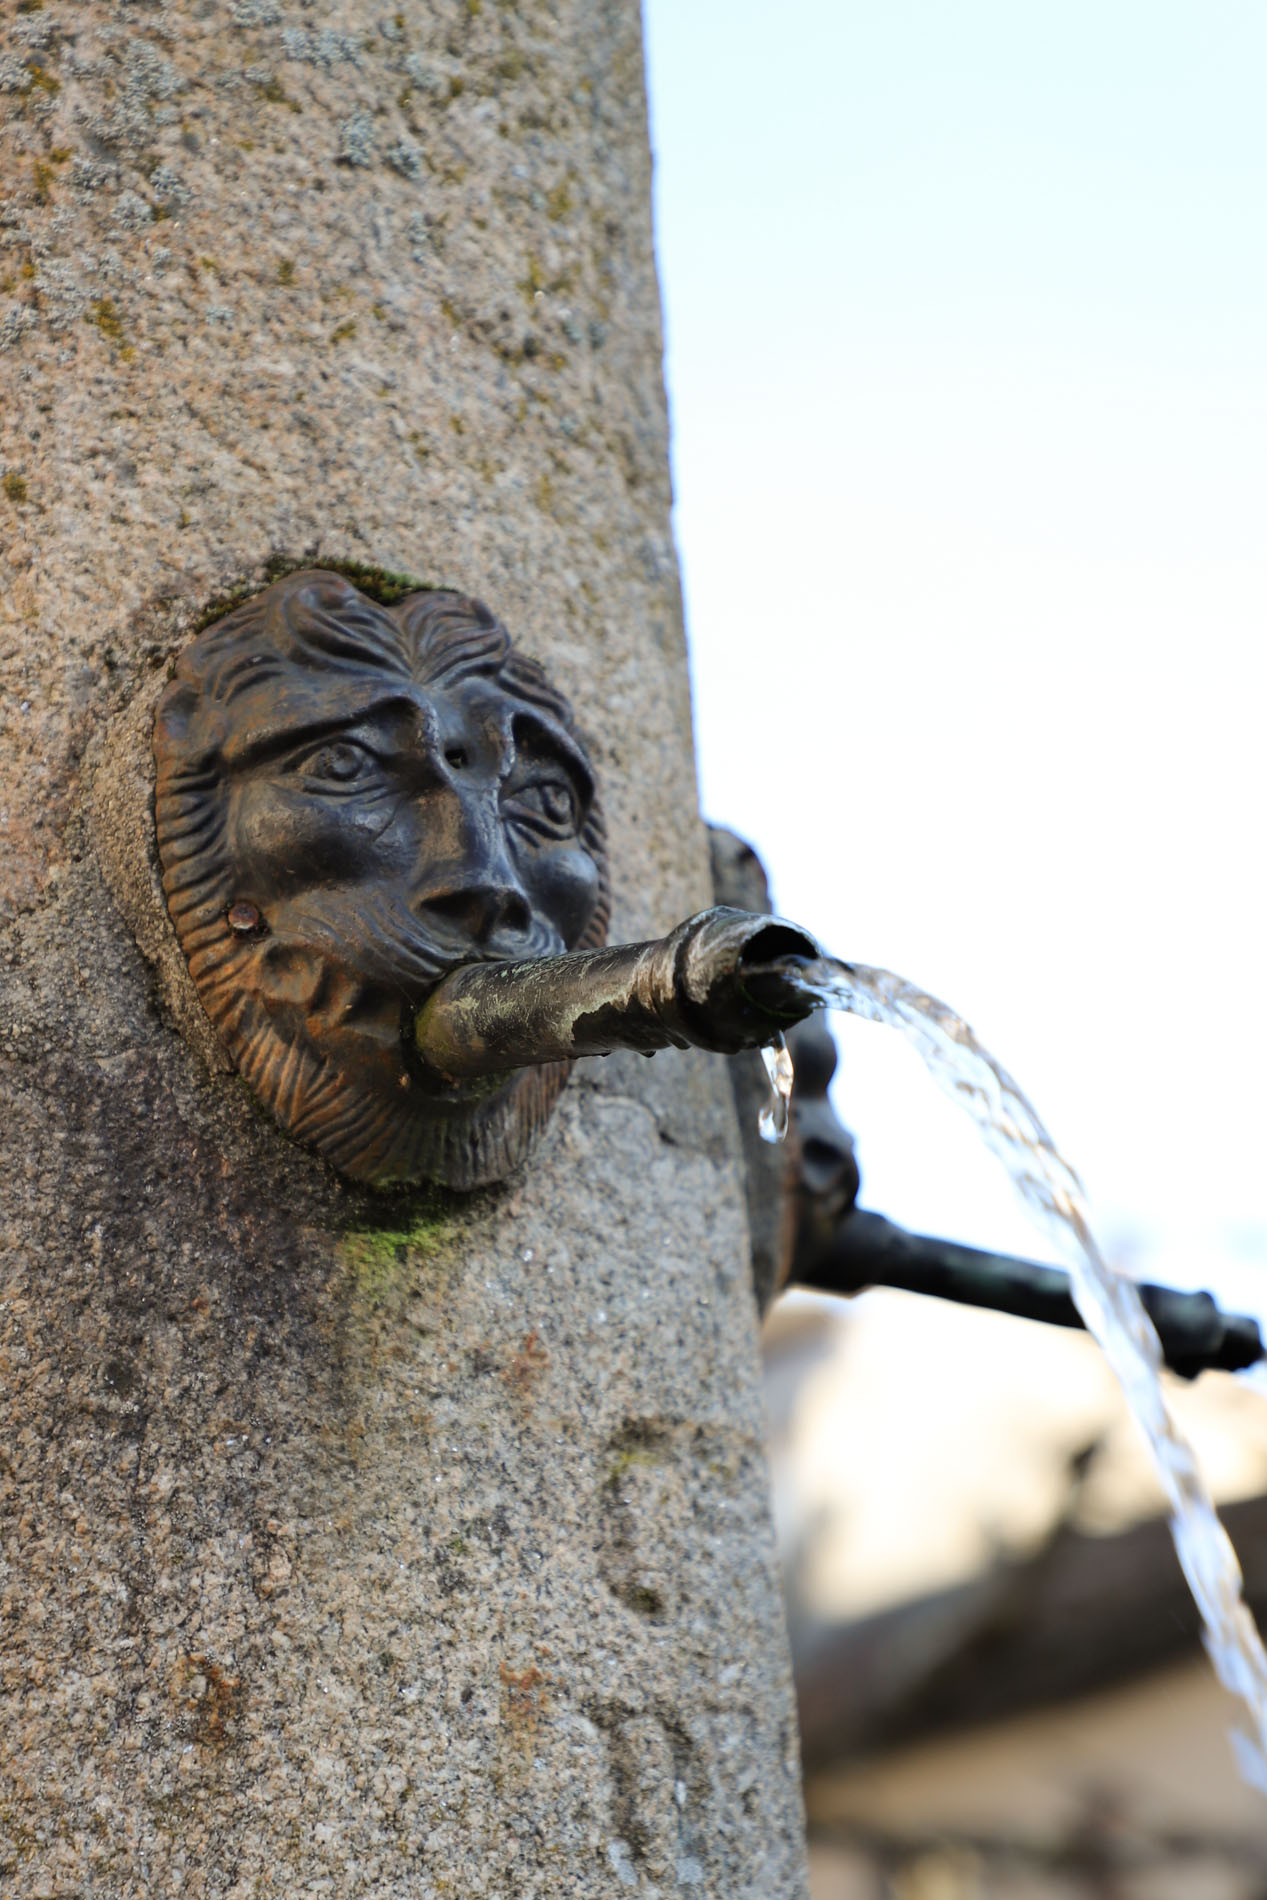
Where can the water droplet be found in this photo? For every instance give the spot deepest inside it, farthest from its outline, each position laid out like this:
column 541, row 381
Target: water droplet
column 773, row 1119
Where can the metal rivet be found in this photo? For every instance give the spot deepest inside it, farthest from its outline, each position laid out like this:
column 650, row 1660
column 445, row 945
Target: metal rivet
column 243, row 919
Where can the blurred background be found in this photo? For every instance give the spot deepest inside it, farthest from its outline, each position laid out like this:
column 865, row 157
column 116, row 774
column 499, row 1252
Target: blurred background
column 966, row 312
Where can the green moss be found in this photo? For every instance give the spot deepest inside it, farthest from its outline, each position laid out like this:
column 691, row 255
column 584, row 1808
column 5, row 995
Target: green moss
column 104, row 313
column 559, row 201
column 380, row 583
column 15, row 487
column 627, row 1459
column 645, row 1601
column 344, row 330
column 532, row 281
column 44, row 81
column 276, row 94
column 380, row 1253
column 286, row 271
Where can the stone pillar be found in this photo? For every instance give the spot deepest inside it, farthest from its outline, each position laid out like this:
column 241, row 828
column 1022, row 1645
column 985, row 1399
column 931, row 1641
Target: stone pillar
column 352, row 1545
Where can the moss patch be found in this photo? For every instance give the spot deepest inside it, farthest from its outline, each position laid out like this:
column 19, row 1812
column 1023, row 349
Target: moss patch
column 379, row 1252
column 104, row 313
column 628, row 1459
column 382, row 584
column 273, row 90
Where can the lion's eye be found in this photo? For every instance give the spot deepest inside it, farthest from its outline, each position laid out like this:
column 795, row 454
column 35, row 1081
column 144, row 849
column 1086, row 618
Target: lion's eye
column 339, row 763
column 557, row 801
column 546, row 805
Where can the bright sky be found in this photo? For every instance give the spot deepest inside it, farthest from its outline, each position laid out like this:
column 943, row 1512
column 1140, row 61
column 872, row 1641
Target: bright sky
column 967, row 355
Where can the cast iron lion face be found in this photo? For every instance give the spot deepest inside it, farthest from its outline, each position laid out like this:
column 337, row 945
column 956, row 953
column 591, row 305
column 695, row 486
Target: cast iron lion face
column 351, row 800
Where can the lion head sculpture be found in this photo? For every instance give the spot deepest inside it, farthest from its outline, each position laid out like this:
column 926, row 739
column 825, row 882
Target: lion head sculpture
column 351, row 800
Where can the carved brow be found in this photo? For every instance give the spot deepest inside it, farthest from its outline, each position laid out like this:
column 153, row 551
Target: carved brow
column 272, row 741
column 543, row 732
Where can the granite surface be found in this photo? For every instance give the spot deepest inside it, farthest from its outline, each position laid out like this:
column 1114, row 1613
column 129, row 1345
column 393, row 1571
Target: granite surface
column 350, row 1544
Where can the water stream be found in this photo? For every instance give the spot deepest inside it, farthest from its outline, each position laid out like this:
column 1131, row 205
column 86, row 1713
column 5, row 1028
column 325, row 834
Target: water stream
column 1109, row 1304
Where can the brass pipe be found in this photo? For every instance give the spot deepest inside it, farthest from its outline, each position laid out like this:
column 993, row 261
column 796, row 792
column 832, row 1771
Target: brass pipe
column 716, row 982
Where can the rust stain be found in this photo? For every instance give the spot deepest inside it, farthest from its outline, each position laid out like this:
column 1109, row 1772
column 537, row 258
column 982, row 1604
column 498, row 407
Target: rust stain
column 527, row 1364
column 210, row 1698
column 524, row 1697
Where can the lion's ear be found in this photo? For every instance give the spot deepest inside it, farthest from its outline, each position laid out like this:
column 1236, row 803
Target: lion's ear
column 189, row 738
column 175, row 712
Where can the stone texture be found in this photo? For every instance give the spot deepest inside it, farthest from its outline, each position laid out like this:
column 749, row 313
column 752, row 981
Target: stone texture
column 349, row 1544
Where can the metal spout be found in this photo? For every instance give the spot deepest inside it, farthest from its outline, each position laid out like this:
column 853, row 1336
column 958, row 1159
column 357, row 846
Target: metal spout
column 716, row 982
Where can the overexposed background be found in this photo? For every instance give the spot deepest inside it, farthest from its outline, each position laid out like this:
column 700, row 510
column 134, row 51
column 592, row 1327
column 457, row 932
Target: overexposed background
column 966, row 315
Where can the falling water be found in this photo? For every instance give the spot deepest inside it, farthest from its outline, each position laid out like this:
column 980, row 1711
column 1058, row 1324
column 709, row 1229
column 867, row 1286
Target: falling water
column 772, row 1121
column 1110, row 1306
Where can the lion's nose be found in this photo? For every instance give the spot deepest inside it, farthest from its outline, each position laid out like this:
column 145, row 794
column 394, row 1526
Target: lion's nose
column 468, row 884
column 491, row 913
